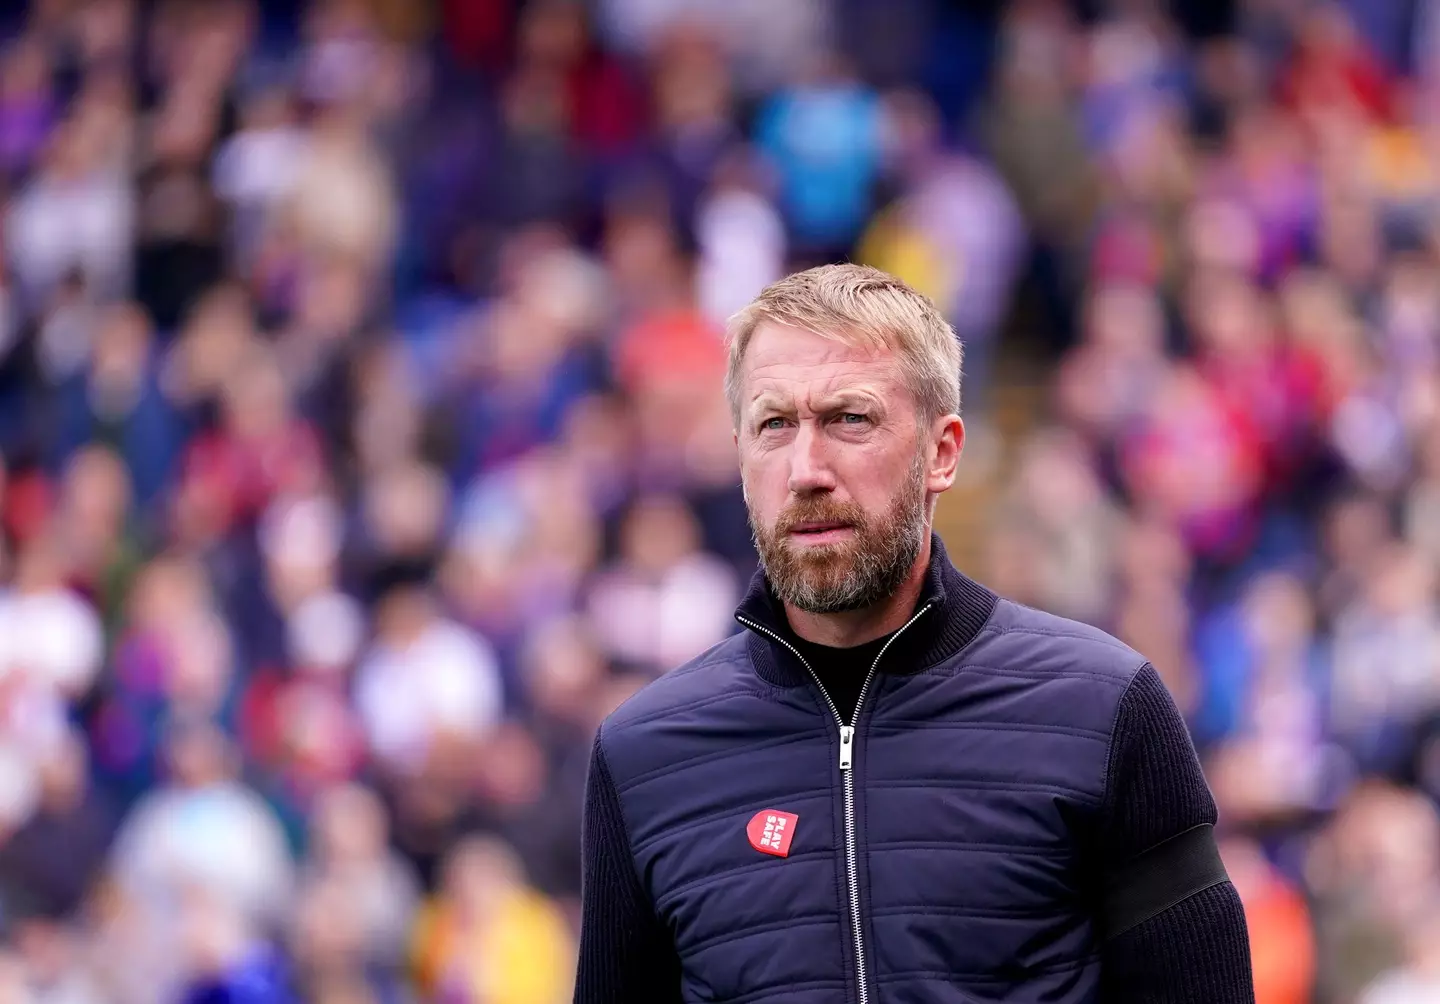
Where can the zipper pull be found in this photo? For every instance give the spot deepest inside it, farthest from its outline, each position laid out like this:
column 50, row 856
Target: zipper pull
column 847, row 746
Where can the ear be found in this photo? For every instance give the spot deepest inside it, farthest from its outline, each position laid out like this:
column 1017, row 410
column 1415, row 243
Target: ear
column 947, row 440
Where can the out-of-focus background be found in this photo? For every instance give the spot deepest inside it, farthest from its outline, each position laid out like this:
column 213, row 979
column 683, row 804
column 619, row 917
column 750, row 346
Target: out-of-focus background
column 362, row 443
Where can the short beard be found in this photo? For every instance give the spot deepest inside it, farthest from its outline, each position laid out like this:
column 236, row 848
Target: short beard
column 851, row 575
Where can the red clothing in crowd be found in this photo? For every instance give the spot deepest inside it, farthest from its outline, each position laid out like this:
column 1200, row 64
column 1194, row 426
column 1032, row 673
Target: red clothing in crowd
column 234, row 479
column 667, row 348
column 1279, row 395
column 1333, row 71
column 1200, row 462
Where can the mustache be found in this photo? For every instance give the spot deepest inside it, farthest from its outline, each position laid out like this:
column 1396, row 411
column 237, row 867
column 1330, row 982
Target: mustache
column 817, row 510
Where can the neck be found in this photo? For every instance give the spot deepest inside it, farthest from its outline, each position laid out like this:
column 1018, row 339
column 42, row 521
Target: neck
column 855, row 627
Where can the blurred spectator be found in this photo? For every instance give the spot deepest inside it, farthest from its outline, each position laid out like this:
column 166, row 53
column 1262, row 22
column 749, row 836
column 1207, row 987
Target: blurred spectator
column 299, row 726
column 352, row 869
column 427, row 684
column 537, row 173
column 65, row 338
column 1386, row 646
column 1419, row 979
column 1106, row 383
column 1372, row 875
column 28, row 106
column 823, row 135
column 1282, row 944
column 179, row 255
column 764, row 42
column 260, row 449
column 174, row 655
column 1031, row 129
column 741, row 238
column 563, row 666
column 695, row 93
column 527, row 359
column 223, row 955
column 1063, row 506
column 54, row 957
column 530, row 538
column 103, row 553
column 1194, row 460
column 49, row 866
column 52, row 638
column 403, row 511
column 1258, row 375
column 1333, row 74
column 119, row 402
column 955, row 234
column 488, row 936
column 327, row 946
column 256, row 168
column 667, row 601
column 1265, row 642
column 204, row 841
column 604, row 104
column 341, row 200
column 75, row 217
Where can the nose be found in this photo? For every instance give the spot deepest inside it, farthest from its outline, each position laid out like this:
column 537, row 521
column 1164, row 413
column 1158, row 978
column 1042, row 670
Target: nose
column 810, row 470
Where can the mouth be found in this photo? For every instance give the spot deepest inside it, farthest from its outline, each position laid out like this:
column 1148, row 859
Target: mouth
column 821, row 532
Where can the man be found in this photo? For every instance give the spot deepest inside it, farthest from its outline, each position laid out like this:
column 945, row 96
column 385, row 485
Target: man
column 893, row 785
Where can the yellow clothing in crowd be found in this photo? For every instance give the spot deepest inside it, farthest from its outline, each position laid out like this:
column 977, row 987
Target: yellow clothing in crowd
column 522, row 954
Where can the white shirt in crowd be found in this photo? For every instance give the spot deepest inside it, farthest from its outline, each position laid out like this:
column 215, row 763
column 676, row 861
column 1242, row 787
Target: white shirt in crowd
column 1402, row 987
column 446, row 681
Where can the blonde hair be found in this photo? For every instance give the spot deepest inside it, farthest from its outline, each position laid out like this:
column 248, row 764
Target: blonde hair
column 858, row 305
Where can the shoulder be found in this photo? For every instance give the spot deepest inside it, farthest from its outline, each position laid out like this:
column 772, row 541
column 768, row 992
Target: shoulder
column 719, row 672
column 681, row 711
column 1018, row 636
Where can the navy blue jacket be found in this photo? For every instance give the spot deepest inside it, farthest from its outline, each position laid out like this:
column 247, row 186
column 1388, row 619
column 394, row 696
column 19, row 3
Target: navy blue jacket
column 1017, row 814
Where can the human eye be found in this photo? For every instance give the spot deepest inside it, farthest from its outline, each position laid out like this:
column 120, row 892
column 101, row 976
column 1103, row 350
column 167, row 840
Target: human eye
column 854, row 418
column 772, row 424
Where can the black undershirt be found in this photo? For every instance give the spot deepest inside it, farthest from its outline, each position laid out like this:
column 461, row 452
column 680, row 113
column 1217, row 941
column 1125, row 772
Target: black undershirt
column 842, row 671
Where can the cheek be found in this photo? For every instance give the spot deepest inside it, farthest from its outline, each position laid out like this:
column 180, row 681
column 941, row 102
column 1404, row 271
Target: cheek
column 872, row 476
column 764, row 479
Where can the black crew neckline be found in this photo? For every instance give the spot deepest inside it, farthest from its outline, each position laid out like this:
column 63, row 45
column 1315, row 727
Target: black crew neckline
column 842, row 671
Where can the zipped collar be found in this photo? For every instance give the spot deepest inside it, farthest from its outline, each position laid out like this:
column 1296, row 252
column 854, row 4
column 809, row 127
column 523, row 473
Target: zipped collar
column 956, row 608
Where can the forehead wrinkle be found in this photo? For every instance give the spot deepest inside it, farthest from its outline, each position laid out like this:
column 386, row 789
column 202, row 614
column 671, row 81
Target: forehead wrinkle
column 811, row 371
column 848, row 396
column 818, row 401
column 820, row 381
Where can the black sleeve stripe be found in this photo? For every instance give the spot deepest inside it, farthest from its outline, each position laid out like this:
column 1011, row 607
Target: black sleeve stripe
column 1167, row 874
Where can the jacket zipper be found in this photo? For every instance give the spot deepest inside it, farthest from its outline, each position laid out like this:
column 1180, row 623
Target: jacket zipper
column 847, row 779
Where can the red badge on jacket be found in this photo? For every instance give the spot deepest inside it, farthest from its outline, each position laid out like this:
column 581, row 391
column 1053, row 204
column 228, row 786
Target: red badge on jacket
column 771, row 831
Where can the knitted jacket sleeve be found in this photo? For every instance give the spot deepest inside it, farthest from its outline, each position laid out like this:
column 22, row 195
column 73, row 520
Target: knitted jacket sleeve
column 1176, row 930
column 626, row 955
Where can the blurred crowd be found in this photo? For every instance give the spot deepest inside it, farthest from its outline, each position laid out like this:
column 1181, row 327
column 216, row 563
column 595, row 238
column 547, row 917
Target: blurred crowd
column 1239, row 473
column 362, row 443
